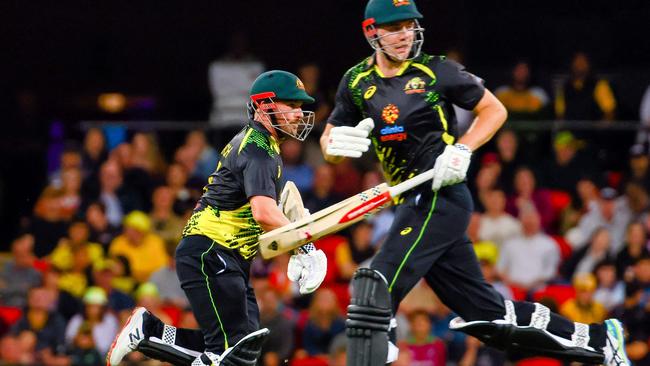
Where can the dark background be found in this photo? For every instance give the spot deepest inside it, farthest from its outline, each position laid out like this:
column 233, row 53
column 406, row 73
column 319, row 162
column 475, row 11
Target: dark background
column 57, row 56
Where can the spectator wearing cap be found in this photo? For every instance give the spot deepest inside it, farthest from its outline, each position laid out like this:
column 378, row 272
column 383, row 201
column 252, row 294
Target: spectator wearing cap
column 95, row 313
column 77, row 241
column 148, row 297
column 496, row 225
column 144, row 250
column 101, row 230
column 567, row 166
column 609, row 212
column 583, row 308
column 487, row 254
column 19, row 275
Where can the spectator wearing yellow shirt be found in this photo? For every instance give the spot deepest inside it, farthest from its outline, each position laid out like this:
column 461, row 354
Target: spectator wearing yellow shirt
column 583, row 308
column 521, row 99
column 78, row 233
column 144, row 250
column 584, row 96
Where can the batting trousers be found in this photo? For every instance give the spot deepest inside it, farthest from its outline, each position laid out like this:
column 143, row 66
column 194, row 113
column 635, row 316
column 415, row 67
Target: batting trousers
column 428, row 240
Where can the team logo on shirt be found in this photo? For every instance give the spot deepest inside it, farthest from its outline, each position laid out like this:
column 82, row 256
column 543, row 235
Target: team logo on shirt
column 401, row 2
column 370, row 92
column 415, row 85
column 390, row 113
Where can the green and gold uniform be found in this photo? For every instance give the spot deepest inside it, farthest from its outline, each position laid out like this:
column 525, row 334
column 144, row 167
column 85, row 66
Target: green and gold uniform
column 250, row 165
column 220, row 239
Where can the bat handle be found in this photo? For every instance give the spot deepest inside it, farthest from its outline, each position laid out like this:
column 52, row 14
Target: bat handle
column 309, row 247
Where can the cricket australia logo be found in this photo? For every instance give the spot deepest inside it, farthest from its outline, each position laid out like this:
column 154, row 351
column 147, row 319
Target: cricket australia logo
column 390, row 113
column 401, row 2
column 415, row 85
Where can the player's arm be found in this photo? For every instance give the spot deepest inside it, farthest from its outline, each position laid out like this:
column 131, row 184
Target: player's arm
column 490, row 116
column 266, row 213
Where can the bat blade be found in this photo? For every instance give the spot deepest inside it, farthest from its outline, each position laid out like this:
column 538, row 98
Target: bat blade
column 324, row 222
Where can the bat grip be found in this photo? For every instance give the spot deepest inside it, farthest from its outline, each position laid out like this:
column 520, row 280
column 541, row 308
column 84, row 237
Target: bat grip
column 309, row 247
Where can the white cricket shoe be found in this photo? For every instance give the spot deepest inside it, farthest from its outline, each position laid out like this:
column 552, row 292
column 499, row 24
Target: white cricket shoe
column 615, row 344
column 128, row 338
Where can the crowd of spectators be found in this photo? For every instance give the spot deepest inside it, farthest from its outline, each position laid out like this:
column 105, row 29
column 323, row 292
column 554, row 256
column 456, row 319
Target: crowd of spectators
column 560, row 229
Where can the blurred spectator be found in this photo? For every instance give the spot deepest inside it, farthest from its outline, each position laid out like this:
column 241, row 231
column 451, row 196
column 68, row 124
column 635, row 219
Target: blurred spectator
column 568, row 165
column 64, row 302
column 19, row 349
column 77, row 240
column 48, row 223
column 101, row 230
column 338, row 351
column 495, row 224
column 583, row 96
column 643, row 136
column 455, row 340
column 38, row 318
column 83, row 352
column 635, row 247
column 134, row 164
column 70, row 159
column 295, row 169
column 169, row 287
column 94, row 152
column 584, row 309
column 585, row 259
column 347, row 179
column 588, row 194
column 360, row 246
column 147, row 156
column 426, row 349
column 487, row 179
column 321, row 194
column 75, row 280
column 184, row 197
column 18, row 275
column 638, row 166
column 309, row 74
column 510, row 158
column 277, row 348
column 164, row 221
column 637, row 200
column 611, row 290
column 148, row 296
column 206, row 163
column 635, row 314
column 66, row 196
column 487, row 254
column 230, row 78
column 144, row 250
column 188, row 157
column 609, row 212
column 522, row 100
column 528, row 261
column 116, row 197
column 324, row 323
column 118, row 302
column 104, row 325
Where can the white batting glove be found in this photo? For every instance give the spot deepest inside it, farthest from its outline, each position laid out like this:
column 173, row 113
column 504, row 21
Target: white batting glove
column 348, row 141
column 451, row 166
column 308, row 270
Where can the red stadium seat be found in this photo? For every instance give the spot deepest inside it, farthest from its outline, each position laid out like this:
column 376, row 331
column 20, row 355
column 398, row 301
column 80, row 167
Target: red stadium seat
column 10, row 314
column 559, row 293
column 539, row 361
column 563, row 245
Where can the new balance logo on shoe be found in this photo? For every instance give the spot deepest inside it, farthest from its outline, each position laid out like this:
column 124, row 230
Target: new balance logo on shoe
column 135, row 337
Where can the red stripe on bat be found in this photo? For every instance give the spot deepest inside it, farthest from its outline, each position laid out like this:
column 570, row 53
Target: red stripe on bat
column 365, row 207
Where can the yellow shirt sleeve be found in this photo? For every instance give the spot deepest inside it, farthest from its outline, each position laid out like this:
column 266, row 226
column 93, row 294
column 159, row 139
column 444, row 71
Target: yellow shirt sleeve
column 604, row 96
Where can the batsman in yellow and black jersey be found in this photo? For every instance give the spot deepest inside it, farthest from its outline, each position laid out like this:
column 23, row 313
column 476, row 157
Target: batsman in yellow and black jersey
column 409, row 96
column 239, row 202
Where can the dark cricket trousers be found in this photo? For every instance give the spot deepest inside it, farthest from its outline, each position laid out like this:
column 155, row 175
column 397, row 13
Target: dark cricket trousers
column 216, row 282
column 427, row 240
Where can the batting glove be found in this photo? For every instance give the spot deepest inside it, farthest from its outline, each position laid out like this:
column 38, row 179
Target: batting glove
column 348, row 141
column 308, row 270
column 451, row 166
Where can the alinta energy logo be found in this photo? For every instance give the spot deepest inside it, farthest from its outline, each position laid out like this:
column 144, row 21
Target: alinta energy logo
column 393, row 132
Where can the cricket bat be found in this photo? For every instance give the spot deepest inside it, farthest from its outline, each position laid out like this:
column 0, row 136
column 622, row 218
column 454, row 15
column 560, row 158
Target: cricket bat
column 335, row 218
